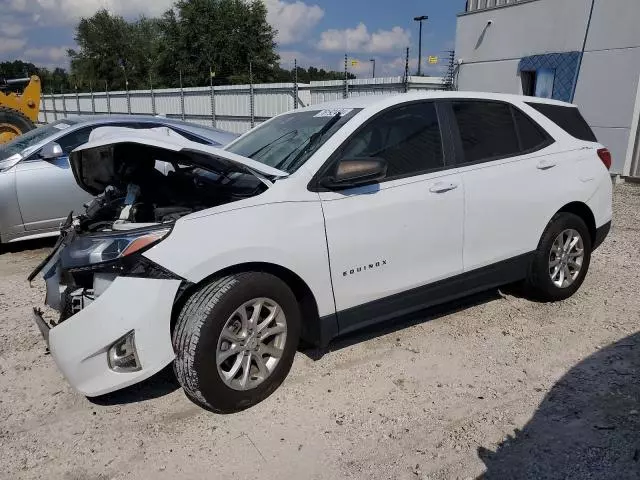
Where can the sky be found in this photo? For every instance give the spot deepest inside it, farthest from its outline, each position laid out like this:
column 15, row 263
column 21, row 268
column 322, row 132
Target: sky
column 317, row 33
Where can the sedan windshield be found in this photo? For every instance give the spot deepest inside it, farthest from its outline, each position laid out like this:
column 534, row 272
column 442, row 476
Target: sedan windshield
column 288, row 141
column 18, row 144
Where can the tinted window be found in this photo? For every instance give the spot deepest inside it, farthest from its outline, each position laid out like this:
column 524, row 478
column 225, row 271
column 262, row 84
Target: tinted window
column 408, row 138
column 486, row 129
column 567, row 118
column 75, row 139
column 531, row 134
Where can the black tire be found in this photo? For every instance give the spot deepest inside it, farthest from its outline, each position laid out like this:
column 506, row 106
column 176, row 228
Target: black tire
column 16, row 119
column 198, row 329
column 539, row 284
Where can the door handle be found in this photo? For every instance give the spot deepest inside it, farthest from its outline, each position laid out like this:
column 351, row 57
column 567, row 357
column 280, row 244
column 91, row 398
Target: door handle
column 546, row 165
column 442, row 187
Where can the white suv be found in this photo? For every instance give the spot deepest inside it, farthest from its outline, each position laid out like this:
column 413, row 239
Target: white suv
column 317, row 223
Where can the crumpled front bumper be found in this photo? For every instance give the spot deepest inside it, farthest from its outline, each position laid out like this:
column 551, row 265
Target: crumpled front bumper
column 79, row 345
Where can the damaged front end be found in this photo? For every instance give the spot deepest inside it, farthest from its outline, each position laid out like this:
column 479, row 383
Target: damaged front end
column 114, row 303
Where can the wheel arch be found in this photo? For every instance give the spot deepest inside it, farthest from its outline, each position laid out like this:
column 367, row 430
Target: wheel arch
column 583, row 211
column 311, row 323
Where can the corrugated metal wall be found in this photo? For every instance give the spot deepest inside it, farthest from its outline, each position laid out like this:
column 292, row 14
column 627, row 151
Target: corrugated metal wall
column 235, row 107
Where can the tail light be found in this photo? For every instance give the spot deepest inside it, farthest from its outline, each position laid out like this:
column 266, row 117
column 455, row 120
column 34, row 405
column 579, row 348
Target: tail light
column 605, row 156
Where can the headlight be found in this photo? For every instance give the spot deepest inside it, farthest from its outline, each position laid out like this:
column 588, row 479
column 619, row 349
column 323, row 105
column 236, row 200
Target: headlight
column 7, row 163
column 95, row 249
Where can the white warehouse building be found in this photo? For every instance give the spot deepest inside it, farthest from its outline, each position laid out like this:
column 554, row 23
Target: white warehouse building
column 582, row 51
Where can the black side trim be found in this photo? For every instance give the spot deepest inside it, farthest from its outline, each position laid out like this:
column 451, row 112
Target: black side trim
column 601, row 234
column 320, row 334
column 485, row 278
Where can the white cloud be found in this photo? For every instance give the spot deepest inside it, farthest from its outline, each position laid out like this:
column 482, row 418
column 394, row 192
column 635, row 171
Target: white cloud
column 359, row 39
column 53, row 54
column 69, row 11
column 11, row 29
column 305, row 60
column 292, row 20
column 11, row 44
column 18, row 5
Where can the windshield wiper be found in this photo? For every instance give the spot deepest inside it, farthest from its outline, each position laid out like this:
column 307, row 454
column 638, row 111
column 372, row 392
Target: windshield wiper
column 310, row 142
column 271, row 144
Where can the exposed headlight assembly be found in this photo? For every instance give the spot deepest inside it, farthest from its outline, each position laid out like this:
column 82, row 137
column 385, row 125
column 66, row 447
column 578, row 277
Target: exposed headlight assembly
column 109, row 247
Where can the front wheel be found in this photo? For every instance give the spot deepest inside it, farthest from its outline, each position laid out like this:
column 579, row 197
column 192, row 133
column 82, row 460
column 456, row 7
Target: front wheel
column 235, row 340
column 561, row 262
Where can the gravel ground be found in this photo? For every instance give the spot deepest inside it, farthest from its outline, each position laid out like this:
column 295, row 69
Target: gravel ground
column 496, row 386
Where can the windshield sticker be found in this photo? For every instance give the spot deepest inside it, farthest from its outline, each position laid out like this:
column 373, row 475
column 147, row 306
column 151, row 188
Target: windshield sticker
column 61, row 126
column 332, row 113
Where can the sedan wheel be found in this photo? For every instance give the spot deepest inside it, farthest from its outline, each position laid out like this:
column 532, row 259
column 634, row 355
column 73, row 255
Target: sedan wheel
column 251, row 344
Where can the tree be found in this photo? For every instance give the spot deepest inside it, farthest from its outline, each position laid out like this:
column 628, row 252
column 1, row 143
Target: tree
column 312, row 74
column 57, row 80
column 115, row 51
column 225, row 35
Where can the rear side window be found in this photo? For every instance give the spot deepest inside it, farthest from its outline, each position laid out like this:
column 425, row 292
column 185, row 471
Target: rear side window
column 487, row 130
column 568, row 118
column 532, row 136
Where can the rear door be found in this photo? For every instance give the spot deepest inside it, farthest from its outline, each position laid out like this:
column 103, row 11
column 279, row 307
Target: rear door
column 513, row 178
column 388, row 240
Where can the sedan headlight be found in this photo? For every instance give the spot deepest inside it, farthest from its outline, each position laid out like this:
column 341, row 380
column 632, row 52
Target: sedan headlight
column 96, row 249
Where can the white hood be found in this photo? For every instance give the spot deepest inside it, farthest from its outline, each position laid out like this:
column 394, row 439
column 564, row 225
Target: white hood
column 167, row 139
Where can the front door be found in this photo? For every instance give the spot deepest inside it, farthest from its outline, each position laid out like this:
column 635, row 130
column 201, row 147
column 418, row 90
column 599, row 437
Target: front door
column 47, row 190
column 387, row 241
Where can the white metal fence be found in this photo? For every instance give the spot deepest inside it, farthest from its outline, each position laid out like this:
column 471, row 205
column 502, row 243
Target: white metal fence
column 235, row 108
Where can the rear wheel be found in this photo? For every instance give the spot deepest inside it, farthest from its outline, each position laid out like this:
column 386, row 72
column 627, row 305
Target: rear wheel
column 235, row 341
column 561, row 262
column 13, row 124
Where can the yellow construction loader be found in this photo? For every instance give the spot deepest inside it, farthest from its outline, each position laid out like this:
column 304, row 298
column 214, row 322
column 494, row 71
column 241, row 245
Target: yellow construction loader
column 18, row 112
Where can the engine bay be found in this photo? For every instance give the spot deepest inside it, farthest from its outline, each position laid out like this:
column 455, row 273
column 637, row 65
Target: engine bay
column 142, row 191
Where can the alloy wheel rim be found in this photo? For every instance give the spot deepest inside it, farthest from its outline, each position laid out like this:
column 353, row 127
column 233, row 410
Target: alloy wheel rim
column 251, row 344
column 566, row 258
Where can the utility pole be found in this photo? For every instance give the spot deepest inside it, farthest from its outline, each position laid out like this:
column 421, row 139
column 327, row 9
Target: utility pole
column 345, row 94
column 406, row 72
column 295, row 84
column 420, row 20
column 373, row 60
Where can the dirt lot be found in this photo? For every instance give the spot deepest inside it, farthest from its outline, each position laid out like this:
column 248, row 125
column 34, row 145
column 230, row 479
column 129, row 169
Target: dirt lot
column 497, row 385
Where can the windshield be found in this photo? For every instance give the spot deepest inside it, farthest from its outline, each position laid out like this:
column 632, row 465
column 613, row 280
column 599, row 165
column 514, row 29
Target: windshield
column 18, row 144
column 288, row 141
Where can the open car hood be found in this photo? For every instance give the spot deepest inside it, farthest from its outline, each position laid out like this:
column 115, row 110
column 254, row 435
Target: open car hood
column 93, row 163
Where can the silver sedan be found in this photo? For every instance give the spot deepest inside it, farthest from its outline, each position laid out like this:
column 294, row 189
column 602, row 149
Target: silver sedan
column 37, row 187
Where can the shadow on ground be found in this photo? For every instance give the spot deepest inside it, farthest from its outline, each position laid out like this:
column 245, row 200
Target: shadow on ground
column 161, row 384
column 26, row 245
column 165, row 382
column 400, row 323
column 587, row 427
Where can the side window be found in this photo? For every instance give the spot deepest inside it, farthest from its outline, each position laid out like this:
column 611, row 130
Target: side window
column 408, row 138
column 74, row 139
column 486, row 129
column 568, row 118
column 532, row 136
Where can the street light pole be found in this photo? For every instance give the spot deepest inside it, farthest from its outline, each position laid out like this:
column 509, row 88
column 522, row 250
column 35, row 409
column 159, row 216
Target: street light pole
column 420, row 20
column 373, row 60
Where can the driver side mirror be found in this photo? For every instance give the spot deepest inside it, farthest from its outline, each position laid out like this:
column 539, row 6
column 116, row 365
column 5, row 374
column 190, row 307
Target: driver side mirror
column 51, row 151
column 356, row 172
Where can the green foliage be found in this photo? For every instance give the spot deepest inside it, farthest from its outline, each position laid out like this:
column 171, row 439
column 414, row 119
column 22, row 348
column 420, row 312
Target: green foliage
column 57, row 80
column 312, row 74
